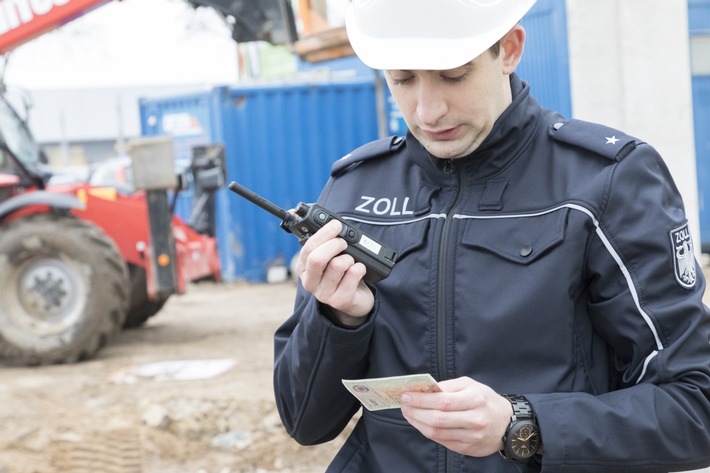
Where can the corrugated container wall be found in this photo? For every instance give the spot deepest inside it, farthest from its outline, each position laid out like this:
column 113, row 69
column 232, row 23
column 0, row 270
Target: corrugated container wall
column 545, row 63
column 699, row 28
column 280, row 141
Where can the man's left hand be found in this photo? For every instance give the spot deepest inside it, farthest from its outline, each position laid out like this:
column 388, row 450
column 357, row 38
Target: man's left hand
column 467, row 417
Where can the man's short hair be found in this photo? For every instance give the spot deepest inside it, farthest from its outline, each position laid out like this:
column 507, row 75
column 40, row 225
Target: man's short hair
column 495, row 49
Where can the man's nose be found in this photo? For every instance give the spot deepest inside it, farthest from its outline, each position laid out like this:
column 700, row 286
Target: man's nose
column 431, row 105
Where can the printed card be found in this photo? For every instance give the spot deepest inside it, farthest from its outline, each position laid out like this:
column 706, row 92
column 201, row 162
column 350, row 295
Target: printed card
column 386, row 393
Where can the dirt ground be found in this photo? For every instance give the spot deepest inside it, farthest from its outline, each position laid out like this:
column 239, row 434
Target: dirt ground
column 93, row 417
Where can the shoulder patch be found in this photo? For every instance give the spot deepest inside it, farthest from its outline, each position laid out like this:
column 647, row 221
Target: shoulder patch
column 600, row 139
column 684, row 260
column 374, row 149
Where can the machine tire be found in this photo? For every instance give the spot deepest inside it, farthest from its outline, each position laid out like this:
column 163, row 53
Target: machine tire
column 63, row 290
column 141, row 308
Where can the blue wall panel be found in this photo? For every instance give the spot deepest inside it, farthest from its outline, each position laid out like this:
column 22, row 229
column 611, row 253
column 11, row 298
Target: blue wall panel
column 699, row 17
column 545, row 63
column 701, row 117
column 699, row 24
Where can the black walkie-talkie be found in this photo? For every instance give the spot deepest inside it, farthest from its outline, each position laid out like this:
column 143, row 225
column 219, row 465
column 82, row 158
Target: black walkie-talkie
column 377, row 258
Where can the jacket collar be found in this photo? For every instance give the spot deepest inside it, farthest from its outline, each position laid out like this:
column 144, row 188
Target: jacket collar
column 510, row 135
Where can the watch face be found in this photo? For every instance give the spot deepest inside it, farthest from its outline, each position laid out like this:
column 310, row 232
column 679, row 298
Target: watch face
column 524, row 440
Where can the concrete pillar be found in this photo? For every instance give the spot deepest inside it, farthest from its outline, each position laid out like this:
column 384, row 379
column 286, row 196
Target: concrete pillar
column 630, row 69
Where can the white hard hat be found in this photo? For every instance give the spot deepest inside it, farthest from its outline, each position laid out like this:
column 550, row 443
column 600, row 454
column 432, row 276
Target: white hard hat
column 428, row 34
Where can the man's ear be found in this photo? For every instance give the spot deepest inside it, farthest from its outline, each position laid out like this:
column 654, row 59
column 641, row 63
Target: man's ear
column 511, row 49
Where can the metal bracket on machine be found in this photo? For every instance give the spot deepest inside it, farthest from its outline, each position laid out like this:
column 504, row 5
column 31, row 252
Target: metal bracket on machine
column 153, row 171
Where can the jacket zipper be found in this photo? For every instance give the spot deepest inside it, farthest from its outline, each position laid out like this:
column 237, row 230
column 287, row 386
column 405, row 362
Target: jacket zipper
column 442, row 281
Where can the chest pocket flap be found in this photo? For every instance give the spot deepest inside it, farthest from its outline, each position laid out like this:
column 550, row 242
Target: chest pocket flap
column 521, row 239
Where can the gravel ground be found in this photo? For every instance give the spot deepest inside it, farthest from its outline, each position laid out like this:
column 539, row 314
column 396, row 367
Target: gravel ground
column 113, row 415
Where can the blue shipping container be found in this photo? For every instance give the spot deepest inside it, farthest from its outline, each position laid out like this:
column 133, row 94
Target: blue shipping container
column 280, row 141
column 699, row 28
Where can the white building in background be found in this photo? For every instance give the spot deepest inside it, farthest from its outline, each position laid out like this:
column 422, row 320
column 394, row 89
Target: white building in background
column 88, row 125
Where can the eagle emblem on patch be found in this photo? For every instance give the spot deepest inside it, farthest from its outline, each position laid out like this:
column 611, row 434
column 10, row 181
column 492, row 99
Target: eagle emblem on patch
column 683, row 256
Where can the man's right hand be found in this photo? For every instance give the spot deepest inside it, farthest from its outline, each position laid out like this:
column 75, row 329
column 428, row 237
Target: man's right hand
column 334, row 278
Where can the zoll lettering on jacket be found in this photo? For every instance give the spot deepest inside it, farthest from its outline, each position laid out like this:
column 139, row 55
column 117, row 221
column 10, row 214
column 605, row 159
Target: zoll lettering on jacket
column 23, row 20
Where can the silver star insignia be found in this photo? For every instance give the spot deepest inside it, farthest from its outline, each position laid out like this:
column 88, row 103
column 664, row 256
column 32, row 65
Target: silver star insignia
column 612, row 141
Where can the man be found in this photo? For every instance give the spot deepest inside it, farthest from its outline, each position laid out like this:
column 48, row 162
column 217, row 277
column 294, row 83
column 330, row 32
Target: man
column 544, row 277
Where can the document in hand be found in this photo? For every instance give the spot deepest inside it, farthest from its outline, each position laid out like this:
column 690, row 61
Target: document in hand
column 386, row 393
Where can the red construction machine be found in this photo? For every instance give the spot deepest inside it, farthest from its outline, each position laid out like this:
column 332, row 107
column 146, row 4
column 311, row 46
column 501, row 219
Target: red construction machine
column 79, row 262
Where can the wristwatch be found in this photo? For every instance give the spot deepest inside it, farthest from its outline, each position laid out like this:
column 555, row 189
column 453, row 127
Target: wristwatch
column 522, row 437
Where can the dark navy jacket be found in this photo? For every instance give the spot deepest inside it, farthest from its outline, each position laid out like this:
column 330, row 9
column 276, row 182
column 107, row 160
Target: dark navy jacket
column 554, row 262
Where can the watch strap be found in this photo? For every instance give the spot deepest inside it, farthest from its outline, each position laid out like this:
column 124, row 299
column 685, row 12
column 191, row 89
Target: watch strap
column 521, row 407
column 522, row 410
